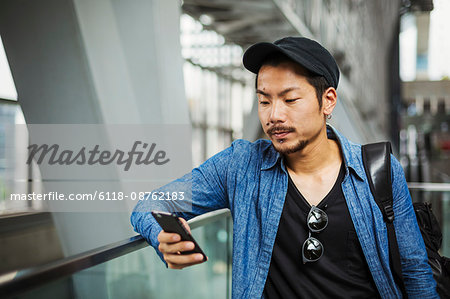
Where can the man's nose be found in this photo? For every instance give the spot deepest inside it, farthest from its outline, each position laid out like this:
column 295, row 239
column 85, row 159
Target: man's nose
column 277, row 112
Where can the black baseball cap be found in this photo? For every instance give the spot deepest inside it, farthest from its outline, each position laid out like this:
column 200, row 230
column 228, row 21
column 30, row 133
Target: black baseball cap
column 306, row 52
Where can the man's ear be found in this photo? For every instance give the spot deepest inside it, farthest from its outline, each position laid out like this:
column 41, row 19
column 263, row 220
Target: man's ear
column 329, row 100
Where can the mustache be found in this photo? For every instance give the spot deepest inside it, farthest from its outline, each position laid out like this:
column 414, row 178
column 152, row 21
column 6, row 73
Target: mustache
column 280, row 129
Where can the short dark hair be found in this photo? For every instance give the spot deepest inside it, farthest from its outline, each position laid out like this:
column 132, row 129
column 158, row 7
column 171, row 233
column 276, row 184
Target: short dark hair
column 319, row 83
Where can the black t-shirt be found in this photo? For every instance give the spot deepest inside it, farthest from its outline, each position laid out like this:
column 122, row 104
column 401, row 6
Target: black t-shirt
column 341, row 272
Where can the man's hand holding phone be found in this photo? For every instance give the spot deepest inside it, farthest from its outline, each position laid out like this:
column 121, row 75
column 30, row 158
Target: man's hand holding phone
column 179, row 249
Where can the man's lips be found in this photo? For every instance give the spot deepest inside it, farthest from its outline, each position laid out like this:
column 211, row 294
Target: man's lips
column 280, row 132
column 280, row 135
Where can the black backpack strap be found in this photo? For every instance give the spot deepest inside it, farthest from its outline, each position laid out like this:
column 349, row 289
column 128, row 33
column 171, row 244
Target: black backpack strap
column 377, row 164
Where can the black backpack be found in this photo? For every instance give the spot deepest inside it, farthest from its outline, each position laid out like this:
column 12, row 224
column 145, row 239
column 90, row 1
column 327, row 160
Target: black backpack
column 377, row 164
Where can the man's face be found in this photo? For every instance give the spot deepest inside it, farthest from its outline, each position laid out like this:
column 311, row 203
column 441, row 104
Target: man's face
column 288, row 108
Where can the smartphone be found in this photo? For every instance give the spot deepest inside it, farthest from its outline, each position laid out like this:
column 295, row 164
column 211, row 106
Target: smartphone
column 171, row 224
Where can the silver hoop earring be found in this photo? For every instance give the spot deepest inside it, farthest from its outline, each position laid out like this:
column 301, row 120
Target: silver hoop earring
column 329, row 116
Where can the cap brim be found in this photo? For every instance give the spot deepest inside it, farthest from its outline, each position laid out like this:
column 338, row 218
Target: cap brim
column 255, row 55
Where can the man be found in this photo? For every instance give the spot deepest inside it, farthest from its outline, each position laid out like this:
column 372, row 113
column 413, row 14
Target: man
column 305, row 224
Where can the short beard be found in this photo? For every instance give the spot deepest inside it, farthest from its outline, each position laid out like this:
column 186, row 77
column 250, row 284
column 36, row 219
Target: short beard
column 293, row 149
column 301, row 144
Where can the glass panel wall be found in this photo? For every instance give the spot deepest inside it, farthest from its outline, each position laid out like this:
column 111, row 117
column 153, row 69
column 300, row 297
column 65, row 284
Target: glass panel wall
column 16, row 177
column 220, row 93
column 141, row 274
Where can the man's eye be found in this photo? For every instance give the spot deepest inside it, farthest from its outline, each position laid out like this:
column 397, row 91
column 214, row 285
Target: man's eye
column 263, row 102
column 291, row 100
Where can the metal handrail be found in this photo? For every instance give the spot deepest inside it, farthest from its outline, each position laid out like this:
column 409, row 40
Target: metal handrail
column 9, row 101
column 13, row 283
column 16, row 282
column 441, row 187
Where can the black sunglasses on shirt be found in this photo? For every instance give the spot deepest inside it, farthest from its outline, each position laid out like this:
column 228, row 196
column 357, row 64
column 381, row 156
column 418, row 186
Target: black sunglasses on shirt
column 317, row 221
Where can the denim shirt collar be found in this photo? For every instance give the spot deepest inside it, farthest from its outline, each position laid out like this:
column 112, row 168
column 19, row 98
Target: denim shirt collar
column 351, row 155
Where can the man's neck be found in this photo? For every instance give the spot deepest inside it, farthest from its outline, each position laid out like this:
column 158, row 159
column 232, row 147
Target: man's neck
column 321, row 153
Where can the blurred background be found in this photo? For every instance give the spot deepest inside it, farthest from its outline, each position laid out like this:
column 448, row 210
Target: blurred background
column 180, row 62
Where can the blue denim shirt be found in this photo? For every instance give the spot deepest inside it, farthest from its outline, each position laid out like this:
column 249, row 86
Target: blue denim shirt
column 251, row 180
